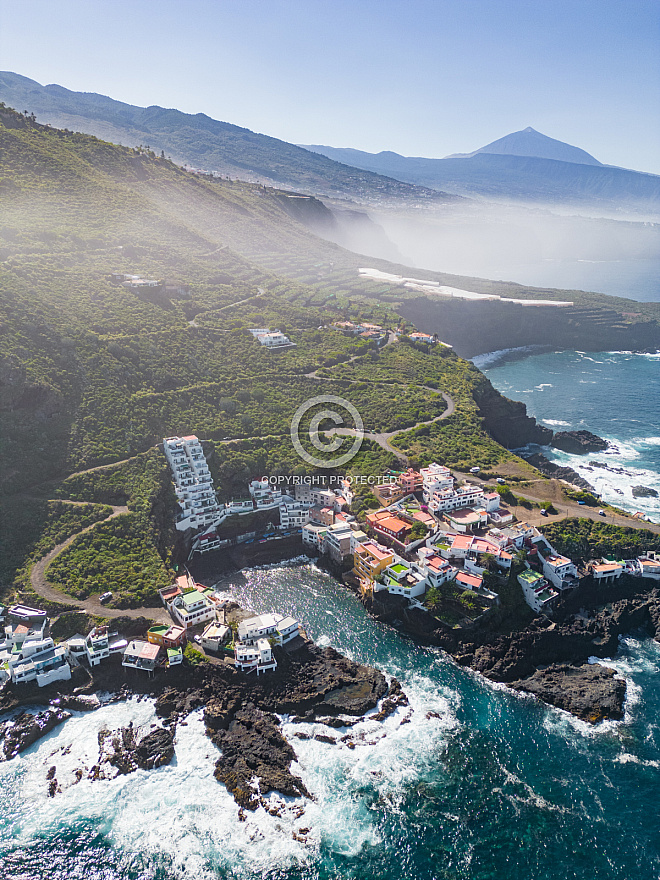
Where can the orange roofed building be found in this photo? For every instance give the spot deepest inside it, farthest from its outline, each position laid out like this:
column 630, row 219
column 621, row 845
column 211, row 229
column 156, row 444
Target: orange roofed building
column 388, row 526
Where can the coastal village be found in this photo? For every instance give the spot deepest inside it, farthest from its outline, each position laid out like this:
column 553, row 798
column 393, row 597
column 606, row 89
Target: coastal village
column 433, row 541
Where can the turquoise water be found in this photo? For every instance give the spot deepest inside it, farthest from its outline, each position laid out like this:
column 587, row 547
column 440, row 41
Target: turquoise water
column 497, row 786
column 614, row 394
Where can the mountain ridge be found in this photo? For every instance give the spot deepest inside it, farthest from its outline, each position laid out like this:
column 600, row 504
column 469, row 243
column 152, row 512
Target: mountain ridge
column 500, row 176
column 210, row 144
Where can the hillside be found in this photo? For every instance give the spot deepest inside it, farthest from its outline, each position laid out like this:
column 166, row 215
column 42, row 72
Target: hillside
column 93, row 374
column 523, row 178
column 205, row 143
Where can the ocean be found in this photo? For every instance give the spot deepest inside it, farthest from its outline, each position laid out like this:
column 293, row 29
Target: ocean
column 482, row 783
column 613, row 394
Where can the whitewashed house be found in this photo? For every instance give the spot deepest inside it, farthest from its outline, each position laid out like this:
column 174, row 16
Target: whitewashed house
column 192, row 608
column 255, row 658
column 41, row 661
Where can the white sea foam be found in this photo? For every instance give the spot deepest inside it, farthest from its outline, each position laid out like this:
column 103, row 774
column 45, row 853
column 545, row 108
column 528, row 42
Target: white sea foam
column 180, row 816
column 555, row 423
column 490, row 358
column 616, row 488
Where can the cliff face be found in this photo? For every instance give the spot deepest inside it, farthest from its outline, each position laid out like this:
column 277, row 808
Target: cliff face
column 506, row 420
column 477, row 327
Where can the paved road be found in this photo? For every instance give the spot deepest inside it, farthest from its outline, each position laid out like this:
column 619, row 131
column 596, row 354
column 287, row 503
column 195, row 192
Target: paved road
column 564, row 506
column 43, row 588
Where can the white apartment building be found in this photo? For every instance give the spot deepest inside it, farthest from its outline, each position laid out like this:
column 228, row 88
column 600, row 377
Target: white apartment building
column 436, row 479
column 538, row 594
column 192, row 482
column 293, row 514
column 445, row 500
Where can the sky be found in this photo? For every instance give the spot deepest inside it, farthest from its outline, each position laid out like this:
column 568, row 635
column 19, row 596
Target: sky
column 420, row 77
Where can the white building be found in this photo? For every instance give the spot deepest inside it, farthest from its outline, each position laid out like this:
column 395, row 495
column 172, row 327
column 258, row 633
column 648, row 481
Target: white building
column 271, row 338
column 315, row 496
column 265, row 496
column 192, row 483
column 559, row 570
column 314, row 536
column 437, row 570
column 446, row 500
column 255, row 658
column 215, row 636
column 97, row 646
column 288, row 629
column 435, row 478
column 268, row 626
column 649, row 566
column 39, row 661
column 192, row 608
column 606, row 571
column 539, row 595
column 357, row 537
column 402, row 578
column 293, row 514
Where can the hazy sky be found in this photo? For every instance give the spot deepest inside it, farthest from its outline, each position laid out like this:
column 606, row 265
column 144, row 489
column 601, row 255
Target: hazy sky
column 422, row 77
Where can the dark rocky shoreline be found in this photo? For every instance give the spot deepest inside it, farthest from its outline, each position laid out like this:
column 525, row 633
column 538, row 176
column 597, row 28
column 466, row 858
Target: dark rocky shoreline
column 240, row 715
column 547, row 658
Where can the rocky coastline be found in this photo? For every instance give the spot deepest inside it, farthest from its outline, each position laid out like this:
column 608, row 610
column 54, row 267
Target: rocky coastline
column 241, row 716
column 547, row 658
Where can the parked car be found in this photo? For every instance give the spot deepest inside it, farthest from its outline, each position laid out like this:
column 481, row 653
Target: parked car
column 544, row 512
column 501, row 481
column 105, row 597
column 601, row 513
column 197, row 639
column 475, row 470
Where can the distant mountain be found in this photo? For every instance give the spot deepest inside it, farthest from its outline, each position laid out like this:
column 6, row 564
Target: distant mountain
column 205, row 143
column 524, row 166
column 530, row 142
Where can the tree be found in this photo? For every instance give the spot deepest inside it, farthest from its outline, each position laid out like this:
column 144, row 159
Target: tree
column 433, row 598
column 418, row 531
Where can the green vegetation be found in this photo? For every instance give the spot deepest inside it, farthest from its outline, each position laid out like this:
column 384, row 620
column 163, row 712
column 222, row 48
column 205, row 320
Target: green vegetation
column 31, row 528
column 584, row 539
column 119, row 556
column 451, row 604
column 192, row 655
column 589, row 499
column 67, row 625
column 418, row 531
column 95, row 374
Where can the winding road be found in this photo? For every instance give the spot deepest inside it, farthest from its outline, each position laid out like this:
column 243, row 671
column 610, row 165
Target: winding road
column 43, row 588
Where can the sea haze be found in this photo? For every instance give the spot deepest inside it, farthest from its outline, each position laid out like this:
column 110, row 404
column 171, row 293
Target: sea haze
column 613, row 394
column 480, row 783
